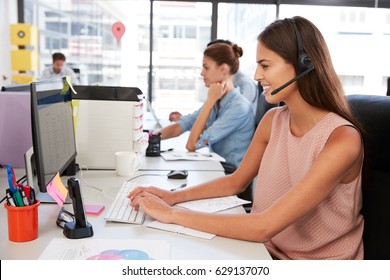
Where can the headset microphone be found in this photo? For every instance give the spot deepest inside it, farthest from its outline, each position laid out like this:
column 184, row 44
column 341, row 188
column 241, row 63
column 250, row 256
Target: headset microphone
column 292, row 80
column 304, row 61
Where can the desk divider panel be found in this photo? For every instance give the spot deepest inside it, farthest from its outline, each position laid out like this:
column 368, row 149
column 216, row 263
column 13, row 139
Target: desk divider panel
column 107, row 120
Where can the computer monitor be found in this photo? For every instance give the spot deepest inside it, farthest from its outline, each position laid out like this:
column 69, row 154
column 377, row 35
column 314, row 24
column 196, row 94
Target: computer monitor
column 21, row 87
column 54, row 145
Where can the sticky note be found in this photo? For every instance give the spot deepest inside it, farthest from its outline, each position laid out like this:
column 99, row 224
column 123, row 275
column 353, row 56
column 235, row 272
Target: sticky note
column 57, row 190
column 94, row 209
column 69, row 84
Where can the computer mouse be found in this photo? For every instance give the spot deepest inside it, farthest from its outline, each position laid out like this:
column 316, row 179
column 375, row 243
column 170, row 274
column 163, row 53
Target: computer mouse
column 177, row 174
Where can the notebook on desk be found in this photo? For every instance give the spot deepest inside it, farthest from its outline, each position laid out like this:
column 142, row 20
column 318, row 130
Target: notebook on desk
column 196, row 156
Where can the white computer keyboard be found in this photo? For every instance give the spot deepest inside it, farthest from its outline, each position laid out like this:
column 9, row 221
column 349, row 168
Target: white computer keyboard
column 120, row 209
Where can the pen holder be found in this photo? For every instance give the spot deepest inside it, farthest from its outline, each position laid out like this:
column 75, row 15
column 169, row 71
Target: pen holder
column 22, row 222
column 153, row 149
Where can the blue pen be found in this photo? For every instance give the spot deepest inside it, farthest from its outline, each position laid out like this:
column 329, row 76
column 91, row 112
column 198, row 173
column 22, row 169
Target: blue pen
column 11, row 178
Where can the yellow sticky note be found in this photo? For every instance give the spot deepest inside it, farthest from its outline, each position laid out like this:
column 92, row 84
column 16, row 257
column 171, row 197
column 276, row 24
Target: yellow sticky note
column 60, row 186
column 69, row 82
column 75, row 110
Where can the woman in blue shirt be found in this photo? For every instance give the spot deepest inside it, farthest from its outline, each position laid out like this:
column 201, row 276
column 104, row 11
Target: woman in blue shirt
column 225, row 123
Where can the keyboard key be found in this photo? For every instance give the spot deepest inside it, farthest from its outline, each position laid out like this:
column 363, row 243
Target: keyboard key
column 120, row 209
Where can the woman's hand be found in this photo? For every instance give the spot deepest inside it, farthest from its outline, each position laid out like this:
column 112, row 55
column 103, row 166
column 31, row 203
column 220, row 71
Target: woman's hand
column 166, row 196
column 153, row 206
column 216, row 92
column 174, row 116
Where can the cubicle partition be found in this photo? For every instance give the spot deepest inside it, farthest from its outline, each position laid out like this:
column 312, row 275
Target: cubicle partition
column 107, row 120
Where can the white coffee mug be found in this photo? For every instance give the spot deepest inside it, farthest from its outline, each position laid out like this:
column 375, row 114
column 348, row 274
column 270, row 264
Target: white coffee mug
column 127, row 163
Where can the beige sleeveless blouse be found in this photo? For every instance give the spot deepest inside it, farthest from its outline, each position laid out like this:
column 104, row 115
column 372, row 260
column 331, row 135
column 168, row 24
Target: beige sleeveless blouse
column 333, row 230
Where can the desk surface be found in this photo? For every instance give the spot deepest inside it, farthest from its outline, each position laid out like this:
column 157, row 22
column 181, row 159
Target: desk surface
column 179, row 143
column 181, row 246
column 158, row 163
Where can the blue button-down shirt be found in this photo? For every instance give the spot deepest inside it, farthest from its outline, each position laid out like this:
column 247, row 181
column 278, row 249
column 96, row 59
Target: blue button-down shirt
column 230, row 132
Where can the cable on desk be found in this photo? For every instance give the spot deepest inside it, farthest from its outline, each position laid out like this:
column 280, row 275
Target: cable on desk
column 101, row 191
column 142, row 175
column 85, row 182
column 21, row 180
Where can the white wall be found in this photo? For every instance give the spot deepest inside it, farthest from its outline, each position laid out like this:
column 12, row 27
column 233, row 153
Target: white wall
column 8, row 15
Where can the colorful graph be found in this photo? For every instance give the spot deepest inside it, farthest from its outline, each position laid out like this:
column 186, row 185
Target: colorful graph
column 128, row 254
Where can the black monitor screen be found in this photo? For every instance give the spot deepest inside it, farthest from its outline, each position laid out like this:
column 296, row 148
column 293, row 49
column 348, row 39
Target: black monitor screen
column 52, row 128
column 23, row 87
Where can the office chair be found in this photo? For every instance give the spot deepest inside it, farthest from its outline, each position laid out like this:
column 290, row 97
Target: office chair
column 76, row 71
column 262, row 107
column 373, row 112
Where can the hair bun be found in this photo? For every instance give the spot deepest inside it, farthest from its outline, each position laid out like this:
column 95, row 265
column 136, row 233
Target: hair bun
column 238, row 50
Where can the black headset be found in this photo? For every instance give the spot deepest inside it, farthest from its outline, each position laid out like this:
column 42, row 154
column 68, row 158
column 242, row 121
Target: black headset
column 304, row 60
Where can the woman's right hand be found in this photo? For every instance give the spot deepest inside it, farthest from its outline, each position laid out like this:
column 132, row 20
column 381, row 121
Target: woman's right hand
column 174, row 116
column 167, row 196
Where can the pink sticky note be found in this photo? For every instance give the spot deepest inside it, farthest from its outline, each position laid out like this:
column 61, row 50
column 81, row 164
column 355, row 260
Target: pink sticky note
column 57, row 190
column 51, row 189
column 93, row 209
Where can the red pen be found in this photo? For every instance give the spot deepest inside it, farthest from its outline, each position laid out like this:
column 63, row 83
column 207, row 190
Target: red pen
column 27, row 192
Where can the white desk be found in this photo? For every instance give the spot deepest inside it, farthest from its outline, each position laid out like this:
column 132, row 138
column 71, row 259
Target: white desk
column 179, row 143
column 182, row 247
column 158, row 163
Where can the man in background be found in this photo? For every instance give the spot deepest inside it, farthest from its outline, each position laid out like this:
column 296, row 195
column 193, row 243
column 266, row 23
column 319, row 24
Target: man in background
column 59, row 69
column 246, row 85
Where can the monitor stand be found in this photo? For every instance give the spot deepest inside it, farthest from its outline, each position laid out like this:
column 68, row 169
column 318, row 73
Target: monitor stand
column 43, row 197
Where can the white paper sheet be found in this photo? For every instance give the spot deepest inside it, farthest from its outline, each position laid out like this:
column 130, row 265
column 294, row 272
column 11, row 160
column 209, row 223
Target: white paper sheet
column 198, row 156
column 106, row 249
column 212, row 205
column 179, row 229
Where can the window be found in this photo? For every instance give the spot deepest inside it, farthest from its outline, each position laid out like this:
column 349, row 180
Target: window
column 352, row 80
column 358, row 39
column 82, row 31
column 356, row 42
column 59, row 27
column 384, row 81
column 181, row 33
column 241, row 24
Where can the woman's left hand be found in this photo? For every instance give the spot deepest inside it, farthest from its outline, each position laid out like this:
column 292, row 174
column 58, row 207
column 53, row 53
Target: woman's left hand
column 153, row 206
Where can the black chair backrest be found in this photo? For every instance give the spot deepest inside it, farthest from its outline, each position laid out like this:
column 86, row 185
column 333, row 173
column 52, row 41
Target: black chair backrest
column 388, row 86
column 262, row 105
column 373, row 112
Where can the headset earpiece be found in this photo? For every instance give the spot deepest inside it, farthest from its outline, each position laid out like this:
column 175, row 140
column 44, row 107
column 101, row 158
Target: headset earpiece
column 305, row 65
column 304, row 60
